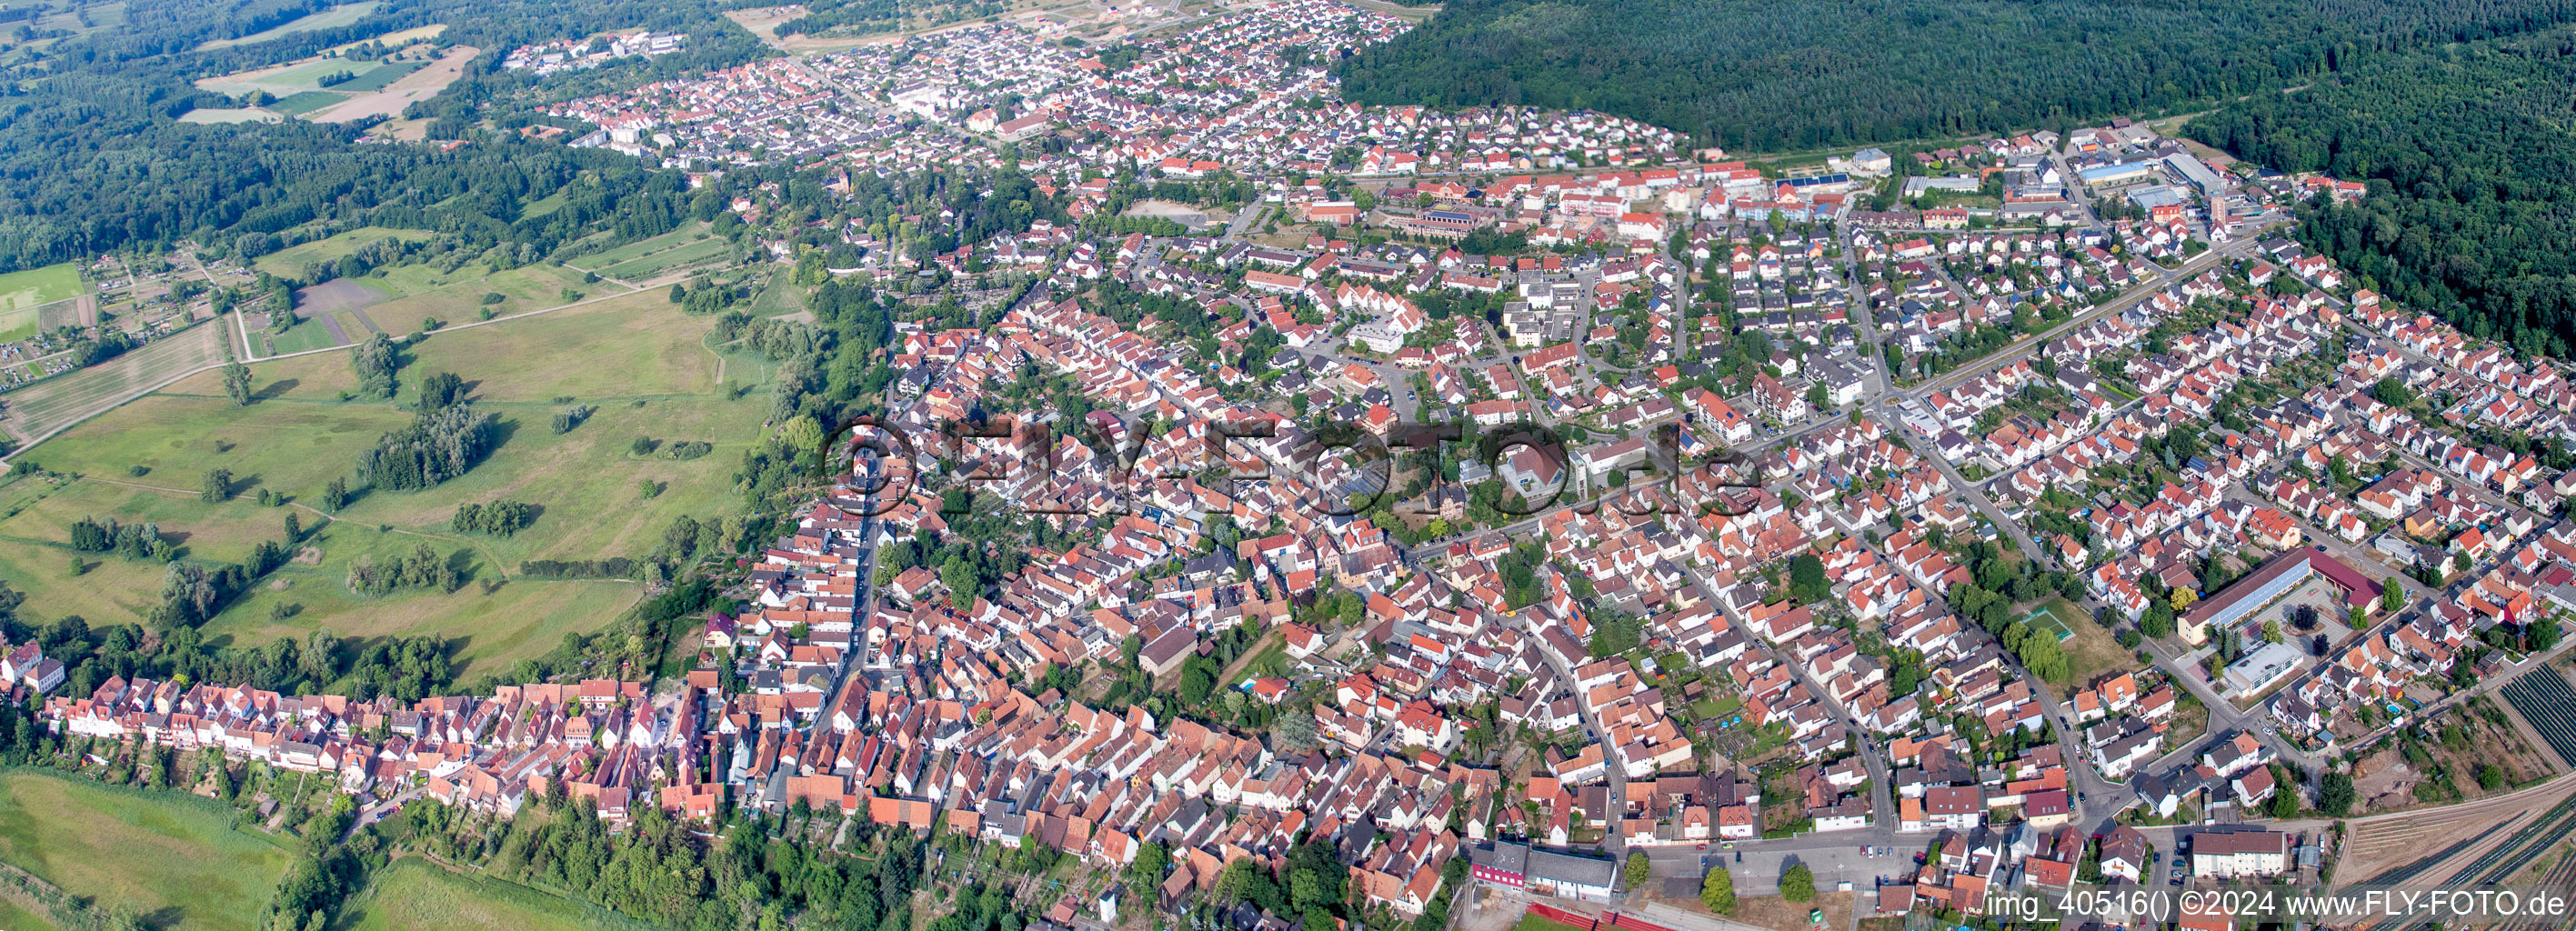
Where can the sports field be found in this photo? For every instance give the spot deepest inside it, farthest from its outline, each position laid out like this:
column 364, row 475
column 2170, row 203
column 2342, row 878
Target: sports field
column 22, row 292
column 175, row 858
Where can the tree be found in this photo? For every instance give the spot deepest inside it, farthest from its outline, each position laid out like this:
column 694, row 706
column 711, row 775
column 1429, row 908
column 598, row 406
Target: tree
column 217, row 486
column 2271, row 630
column 335, row 495
column 1293, row 731
column 1818, row 398
column 804, row 438
column 2285, row 801
column 963, row 583
column 1639, row 870
column 2158, row 621
column 1145, row 875
column 1798, row 883
column 2393, row 597
column 1807, row 580
column 1717, row 891
column 2460, row 561
column 2335, row 793
column 237, row 383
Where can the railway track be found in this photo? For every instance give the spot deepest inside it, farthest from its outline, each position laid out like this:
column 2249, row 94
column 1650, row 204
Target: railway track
column 2560, row 879
column 2411, row 870
column 2506, row 859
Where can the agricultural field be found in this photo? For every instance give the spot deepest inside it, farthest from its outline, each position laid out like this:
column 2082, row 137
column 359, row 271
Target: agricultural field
column 389, row 98
column 2543, row 698
column 51, row 404
column 333, row 18
column 412, row 895
column 644, row 365
column 21, row 293
column 395, row 39
column 173, row 858
column 299, row 77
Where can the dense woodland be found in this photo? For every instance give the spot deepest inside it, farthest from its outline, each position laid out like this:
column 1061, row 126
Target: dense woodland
column 95, row 160
column 1777, row 75
column 2472, row 212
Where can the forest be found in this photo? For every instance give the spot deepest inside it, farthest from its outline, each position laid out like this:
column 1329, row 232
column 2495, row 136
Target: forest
column 2471, row 213
column 1778, row 75
column 96, row 159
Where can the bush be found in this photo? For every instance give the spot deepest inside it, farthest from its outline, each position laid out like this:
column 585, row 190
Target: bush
column 494, row 297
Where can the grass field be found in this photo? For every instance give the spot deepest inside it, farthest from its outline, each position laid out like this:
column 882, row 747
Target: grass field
column 22, row 292
column 285, row 80
column 398, row 38
column 230, row 115
column 376, row 80
column 421, row 292
column 18, row 919
column 29, row 289
column 779, row 298
column 642, row 362
column 2091, row 652
column 291, row 261
column 412, row 895
column 711, row 250
column 689, row 245
column 304, row 102
column 176, row 859
column 41, row 407
column 332, row 18
column 302, row 336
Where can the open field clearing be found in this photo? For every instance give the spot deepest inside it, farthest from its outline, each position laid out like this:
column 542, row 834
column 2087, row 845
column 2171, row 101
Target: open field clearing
column 690, row 245
column 292, row 78
column 397, row 38
column 413, row 895
column 23, row 293
column 709, row 251
column 645, row 366
column 231, row 115
column 418, row 85
column 176, row 859
column 66, row 399
column 418, row 295
column 332, row 18
column 382, row 77
column 292, row 261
